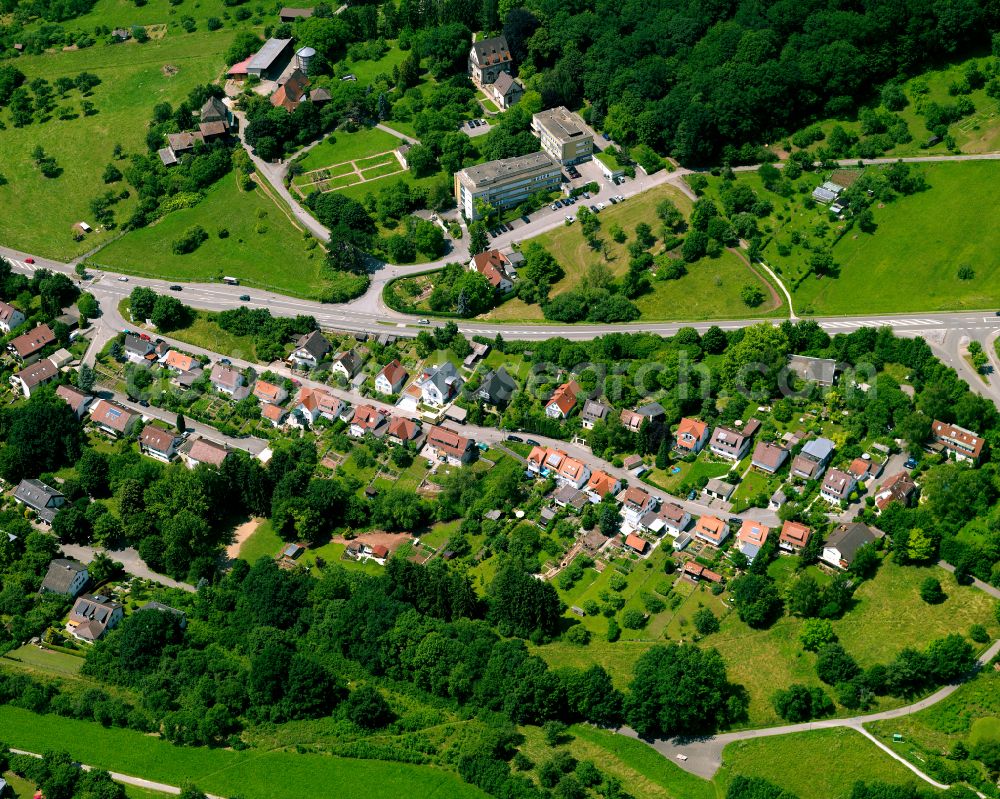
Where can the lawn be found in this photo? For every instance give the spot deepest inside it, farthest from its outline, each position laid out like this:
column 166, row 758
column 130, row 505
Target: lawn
column 821, row 764
column 253, row 774
column 366, row 71
column 44, row 660
column 702, row 467
column 205, row 332
column 133, row 81
column 262, row 543
column 915, row 254
column 263, row 248
column 340, row 147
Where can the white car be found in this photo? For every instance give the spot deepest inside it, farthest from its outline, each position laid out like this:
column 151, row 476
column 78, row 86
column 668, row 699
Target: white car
column 123, row 279
column 620, row 198
column 570, row 219
column 601, row 206
column 423, row 321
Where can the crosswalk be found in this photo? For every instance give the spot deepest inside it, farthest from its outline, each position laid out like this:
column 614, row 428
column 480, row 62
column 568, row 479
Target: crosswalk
column 892, row 322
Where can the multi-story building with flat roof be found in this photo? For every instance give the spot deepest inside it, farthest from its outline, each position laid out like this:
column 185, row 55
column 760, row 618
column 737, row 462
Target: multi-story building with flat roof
column 564, row 135
column 505, row 183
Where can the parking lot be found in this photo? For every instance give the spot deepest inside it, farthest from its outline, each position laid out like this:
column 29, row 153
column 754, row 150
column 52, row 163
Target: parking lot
column 475, row 127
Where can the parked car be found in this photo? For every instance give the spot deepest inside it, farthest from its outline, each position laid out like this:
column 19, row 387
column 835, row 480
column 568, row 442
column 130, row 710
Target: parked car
column 595, row 209
column 144, row 403
column 515, row 439
column 29, row 260
column 244, row 298
column 175, row 287
column 532, row 442
column 553, row 207
column 910, row 463
column 122, row 279
column 570, row 219
column 586, row 195
column 601, row 206
column 225, row 362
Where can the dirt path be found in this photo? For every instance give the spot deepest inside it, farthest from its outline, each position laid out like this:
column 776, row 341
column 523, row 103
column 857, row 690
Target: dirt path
column 241, row 534
column 772, row 291
column 391, row 540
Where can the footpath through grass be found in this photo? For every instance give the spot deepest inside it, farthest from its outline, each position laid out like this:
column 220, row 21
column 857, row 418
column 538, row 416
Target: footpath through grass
column 252, row 774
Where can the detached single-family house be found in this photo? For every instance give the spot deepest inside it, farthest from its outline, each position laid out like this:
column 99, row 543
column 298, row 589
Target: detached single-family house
column 76, row 399
column 964, row 445
column 691, row 435
column 31, row 377
column 439, row 385
column 632, row 420
column 347, row 364
column 573, row 472
column 27, row 347
column 821, row 371
column 768, row 457
column 711, row 529
column 837, row 486
column 634, row 464
column 178, row 362
column 562, row 401
column 65, row 576
column 506, row 91
column 445, row 444
column 862, row 469
column 636, row 543
column 497, row 387
column 730, row 444
column 696, row 572
column 158, row 443
column 112, row 418
column 844, row 542
column 402, row 429
column 159, row 607
column 671, row 518
column 488, row 58
column 495, row 267
column 312, row 403
column 310, row 350
column 198, row 451
column 139, row 349
column 391, row 379
column 270, row 393
column 274, row 414
column 751, row 538
column 601, row 484
column 592, row 413
column 229, row 380
column 896, row 488
column 813, row 459
column 42, row 499
column 92, row 616
column 367, row 419
column 636, row 503
column 10, row 317
column 794, row 536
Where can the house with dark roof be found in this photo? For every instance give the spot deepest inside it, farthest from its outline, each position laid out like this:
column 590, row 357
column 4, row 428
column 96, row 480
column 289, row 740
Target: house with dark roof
column 31, row 377
column 65, row 576
column 592, row 413
column 497, row 387
column 112, row 418
column 92, row 616
column 488, row 58
column 391, row 379
column 506, row 91
column 898, row 487
column 719, row 489
column 27, row 347
column 819, row 371
column 439, row 385
column 632, row 420
column 291, row 91
column 729, row 443
column 310, row 350
column 636, row 503
column 812, row 459
column 270, row 61
column 292, row 14
column 837, row 486
column 42, row 499
column 158, row 443
column 139, row 349
column 159, row 607
column 229, row 380
column 671, row 518
column 198, row 451
column 843, row 544
column 347, row 363
column 768, row 457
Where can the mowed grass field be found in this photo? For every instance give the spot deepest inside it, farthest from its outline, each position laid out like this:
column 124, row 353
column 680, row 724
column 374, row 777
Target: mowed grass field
column 710, row 289
column 911, row 262
column 263, row 249
column 38, row 211
column 341, row 147
column 252, row 774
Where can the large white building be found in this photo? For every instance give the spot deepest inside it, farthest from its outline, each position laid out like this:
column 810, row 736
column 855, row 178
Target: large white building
column 505, row 183
column 564, row 135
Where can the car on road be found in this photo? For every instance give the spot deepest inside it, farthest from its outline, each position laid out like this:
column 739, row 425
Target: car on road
column 144, row 403
column 526, row 219
column 122, row 279
column 910, row 463
column 423, row 321
column 244, row 298
column 29, row 260
column 532, row 442
column 515, row 439
column 998, row 313
column 175, row 287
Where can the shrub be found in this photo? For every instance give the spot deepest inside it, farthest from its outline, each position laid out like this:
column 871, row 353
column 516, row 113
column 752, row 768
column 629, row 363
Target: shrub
column 633, row 619
column 931, row 591
column 190, row 241
column 979, row 634
column 705, row 622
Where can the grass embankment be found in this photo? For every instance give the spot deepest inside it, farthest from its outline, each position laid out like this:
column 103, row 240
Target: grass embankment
column 252, row 774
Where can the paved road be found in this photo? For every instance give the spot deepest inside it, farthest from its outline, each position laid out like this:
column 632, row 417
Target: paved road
column 130, row 560
column 125, row 779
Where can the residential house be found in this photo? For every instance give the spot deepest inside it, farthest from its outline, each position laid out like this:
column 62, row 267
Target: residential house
column 506, row 91
column 843, row 544
column 92, row 616
column 592, row 413
column 445, row 444
column 691, row 435
column 711, row 529
column 563, row 400
column 768, row 457
column 274, row 414
column 310, row 350
column 112, row 418
column 696, row 572
column 229, row 380
column 632, row 420
column 291, row 91
column 270, row 393
column 180, row 143
column 571, row 497
column 812, row 459
column 214, row 110
column 636, row 543
column 439, row 385
column 601, row 484
column 820, row 371
column 76, row 399
column 837, row 486
column 545, row 461
column 964, row 445
column 477, row 351
column 10, row 317
column 636, row 503
column 671, row 518
column 488, row 58
column 719, row 489
column 497, row 387
column 495, row 267
column 751, row 537
column 402, row 429
column 729, row 443
column 65, row 576
column 31, row 377
column 27, row 347
column 794, row 536
column 634, row 464
column 367, row 419
column 312, row 403
column 198, row 451
column 158, row 443
column 44, row 500
column 139, row 349
column 178, row 362
column 573, row 472
column 898, row 487
column 391, row 379
column 347, row 363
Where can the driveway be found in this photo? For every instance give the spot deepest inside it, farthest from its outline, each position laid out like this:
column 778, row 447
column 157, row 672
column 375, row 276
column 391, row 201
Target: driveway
column 130, row 560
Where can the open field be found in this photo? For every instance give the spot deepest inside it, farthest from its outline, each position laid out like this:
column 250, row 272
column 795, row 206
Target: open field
column 263, row 249
column 204, row 332
column 133, row 81
column 31, row 658
column 341, row 147
column 262, row 543
column 251, row 773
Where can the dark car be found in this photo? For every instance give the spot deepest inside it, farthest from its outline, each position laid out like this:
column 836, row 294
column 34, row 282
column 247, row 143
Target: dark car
column 910, row 463
column 532, row 442
column 526, row 218
column 244, row 298
column 176, row 288
column 144, row 403
column 225, row 362
column 516, row 439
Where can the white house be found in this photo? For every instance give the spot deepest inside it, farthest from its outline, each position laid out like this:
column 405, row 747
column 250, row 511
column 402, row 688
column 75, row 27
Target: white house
column 439, row 385
column 310, row 350
column 391, row 379
column 10, row 317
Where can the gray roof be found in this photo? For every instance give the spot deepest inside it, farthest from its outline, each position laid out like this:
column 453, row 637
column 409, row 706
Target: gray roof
column 498, row 386
column 818, row 448
column 36, row 495
column 849, row 538
column 214, row 110
column 492, row 51
column 652, row 410
column 350, row 360
column 819, row 370
column 505, row 82
column 563, row 124
column 720, row 487
column 92, row 614
column 507, row 168
column 167, row 157
column 162, row 608
column 268, row 54
column 138, row 345
column 443, row 377
column 61, row 574
column 314, row 343
column 594, row 410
